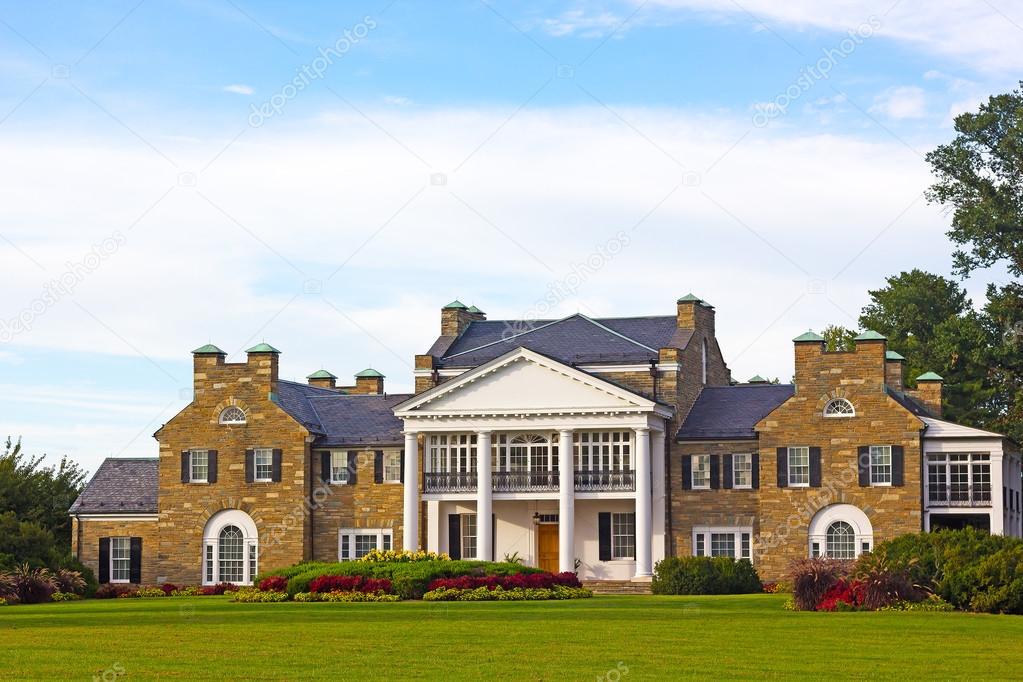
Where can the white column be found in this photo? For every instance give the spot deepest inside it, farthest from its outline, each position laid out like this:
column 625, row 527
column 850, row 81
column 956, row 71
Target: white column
column 997, row 498
column 566, row 502
column 410, row 529
column 644, row 569
column 484, row 498
column 660, row 499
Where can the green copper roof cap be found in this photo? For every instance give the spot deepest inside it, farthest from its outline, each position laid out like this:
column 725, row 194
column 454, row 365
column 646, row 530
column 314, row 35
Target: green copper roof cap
column 892, row 355
column 455, row 304
column 808, row 335
column 321, row 374
column 474, row 309
column 929, row 376
column 263, row 348
column 757, row 379
column 369, row 373
column 689, row 298
column 208, row 349
column 870, row 335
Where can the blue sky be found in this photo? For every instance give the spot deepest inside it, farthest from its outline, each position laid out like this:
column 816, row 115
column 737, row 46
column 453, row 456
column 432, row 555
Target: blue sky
column 199, row 171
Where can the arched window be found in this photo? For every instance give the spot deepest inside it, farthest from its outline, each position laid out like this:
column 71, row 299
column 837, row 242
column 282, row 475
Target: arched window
column 231, row 555
column 230, row 548
column 232, row 415
column 839, row 407
column 840, row 541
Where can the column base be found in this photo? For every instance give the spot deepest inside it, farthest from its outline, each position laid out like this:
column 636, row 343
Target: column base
column 642, row 579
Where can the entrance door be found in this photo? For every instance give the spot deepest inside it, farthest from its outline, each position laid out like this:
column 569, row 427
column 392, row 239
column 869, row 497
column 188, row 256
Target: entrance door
column 547, row 547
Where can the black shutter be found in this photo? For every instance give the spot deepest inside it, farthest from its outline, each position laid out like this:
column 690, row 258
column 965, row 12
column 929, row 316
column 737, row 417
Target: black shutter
column 604, row 533
column 402, row 479
column 250, row 466
column 863, row 464
column 104, row 560
column 898, row 465
column 687, row 472
column 325, row 467
column 815, row 467
column 783, row 467
column 186, row 474
column 493, row 537
column 715, row 472
column 275, row 468
column 726, row 465
column 454, row 536
column 353, row 467
column 211, row 470
column 378, row 466
column 135, row 562
column 755, row 466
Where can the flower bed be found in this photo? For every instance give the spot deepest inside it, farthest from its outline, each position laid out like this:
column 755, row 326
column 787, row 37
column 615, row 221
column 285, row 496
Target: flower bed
column 506, row 582
column 350, row 583
column 498, row 593
column 343, row 596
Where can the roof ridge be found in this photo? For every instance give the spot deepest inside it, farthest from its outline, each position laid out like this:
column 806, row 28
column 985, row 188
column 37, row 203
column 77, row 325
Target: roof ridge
column 616, row 333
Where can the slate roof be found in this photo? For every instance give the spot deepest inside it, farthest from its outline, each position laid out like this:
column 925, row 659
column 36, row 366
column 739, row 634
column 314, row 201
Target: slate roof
column 731, row 412
column 340, row 419
column 575, row 339
column 121, row 485
column 910, row 403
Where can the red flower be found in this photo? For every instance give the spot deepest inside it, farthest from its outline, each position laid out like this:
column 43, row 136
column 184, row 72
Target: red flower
column 277, row 583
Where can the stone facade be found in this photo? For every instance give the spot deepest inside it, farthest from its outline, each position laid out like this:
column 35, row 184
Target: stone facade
column 88, row 532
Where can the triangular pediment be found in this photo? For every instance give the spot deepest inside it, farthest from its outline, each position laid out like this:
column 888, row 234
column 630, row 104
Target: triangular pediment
column 523, row 381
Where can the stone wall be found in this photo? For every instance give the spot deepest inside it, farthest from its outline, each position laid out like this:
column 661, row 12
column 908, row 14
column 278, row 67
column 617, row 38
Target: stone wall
column 91, row 531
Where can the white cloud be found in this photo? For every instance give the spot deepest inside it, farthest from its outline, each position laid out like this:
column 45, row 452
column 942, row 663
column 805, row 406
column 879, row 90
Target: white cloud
column 900, row 102
column 239, row 89
column 397, row 101
column 583, row 24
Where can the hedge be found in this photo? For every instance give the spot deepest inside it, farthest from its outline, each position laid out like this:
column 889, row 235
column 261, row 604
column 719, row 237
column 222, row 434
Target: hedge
column 705, row 575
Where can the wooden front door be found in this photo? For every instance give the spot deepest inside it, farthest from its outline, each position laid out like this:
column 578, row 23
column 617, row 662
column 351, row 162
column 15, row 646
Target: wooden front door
column 547, row 547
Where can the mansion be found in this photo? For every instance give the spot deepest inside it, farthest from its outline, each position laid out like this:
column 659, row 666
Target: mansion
column 607, row 444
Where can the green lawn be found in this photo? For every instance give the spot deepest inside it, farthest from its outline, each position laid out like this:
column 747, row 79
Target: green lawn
column 653, row 637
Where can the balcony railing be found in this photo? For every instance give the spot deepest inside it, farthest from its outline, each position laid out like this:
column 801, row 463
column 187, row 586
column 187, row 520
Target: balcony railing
column 529, row 481
column 524, row 481
column 597, row 481
column 449, row 482
column 959, row 496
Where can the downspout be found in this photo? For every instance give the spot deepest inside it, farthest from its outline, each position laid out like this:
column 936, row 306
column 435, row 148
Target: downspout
column 312, row 508
column 78, row 532
column 653, row 376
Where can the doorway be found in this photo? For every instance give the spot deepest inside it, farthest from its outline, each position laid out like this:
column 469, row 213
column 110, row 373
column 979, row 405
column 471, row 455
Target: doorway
column 547, row 547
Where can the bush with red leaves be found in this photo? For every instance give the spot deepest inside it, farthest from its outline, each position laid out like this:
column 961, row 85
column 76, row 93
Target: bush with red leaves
column 168, row 588
column 275, row 583
column 843, row 594
column 218, row 589
column 349, row 583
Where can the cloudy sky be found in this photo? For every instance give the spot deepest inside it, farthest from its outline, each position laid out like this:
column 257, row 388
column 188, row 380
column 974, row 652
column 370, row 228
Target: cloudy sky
column 325, row 177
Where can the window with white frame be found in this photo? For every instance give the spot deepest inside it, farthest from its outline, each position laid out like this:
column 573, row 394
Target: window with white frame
column 230, row 549
column 198, row 466
column 839, row 407
column 799, row 466
column 355, row 543
column 603, row 450
column 623, row 535
column 701, row 472
column 958, row 478
column 231, row 555
column 840, row 541
column 742, row 470
column 452, row 453
column 468, row 527
column 338, row 466
column 263, row 460
column 120, row 560
column 232, row 415
column 734, row 542
column 880, row 465
column 392, row 467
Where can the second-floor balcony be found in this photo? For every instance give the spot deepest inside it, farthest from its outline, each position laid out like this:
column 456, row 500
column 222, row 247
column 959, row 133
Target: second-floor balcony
column 959, row 496
column 530, row 481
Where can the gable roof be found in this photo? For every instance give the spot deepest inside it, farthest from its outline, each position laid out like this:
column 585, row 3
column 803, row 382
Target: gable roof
column 939, row 428
column 731, row 412
column 336, row 418
column 576, row 339
column 121, row 486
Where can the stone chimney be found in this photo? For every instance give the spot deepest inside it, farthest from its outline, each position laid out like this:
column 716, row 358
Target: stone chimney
column 928, row 392
column 894, row 368
column 205, row 363
column 263, row 360
column 322, row 379
column 695, row 314
column 456, row 316
column 368, row 382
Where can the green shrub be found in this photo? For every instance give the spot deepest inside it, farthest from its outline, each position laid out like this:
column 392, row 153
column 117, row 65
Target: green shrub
column 884, row 583
column 65, row 596
column 150, row 592
column 252, row 595
column 705, row 575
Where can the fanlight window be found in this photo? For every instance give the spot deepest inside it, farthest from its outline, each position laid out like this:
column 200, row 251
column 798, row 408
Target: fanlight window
column 839, row 407
column 232, row 415
column 840, row 541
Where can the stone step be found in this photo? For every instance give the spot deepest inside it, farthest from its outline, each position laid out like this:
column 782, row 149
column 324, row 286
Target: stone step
column 617, row 587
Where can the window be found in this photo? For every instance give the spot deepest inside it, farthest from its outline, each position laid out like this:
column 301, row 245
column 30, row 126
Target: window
column 623, row 535
column 355, row 543
column 729, row 542
column 468, row 529
column 880, row 465
column 452, row 453
column 209, row 564
column 230, row 551
column 120, row 560
column 338, row 467
column 603, row 450
column 742, row 471
column 958, row 479
column 840, row 541
column 264, row 464
column 231, row 555
column 392, row 467
column 232, row 415
column 701, row 472
column 799, row 466
column 199, row 466
column 839, row 407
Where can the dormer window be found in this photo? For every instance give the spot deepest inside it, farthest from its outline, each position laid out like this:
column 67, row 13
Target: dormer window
column 232, row 415
column 839, row 407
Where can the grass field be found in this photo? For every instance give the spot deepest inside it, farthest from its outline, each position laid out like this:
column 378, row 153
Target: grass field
column 650, row 637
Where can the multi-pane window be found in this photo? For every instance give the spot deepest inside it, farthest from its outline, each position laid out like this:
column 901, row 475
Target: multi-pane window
column 701, row 471
column 742, row 471
column 524, row 452
column 727, row 542
column 231, row 555
column 722, row 544
column 880, row 464
column 263, row 460
column 232, row 415
column 210, row 566
column 468, row 535
column 623, row 535
column 199, row 465
column 958, row 478
column 840, row 541
column 392, row 467
column 339, row 467
column 454, row 452
column 799, row 466
column 355, row 543
column 252, row 561
column 603, row 450
column 839, row 407
column 120, row 560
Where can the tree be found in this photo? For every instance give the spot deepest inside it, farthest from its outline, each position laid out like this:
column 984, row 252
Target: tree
column 38, row 494
column 838, row 338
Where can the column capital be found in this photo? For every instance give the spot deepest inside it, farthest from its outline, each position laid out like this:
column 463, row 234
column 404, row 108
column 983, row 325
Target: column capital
column 641, row 429
column 481, row 432
column 410, row 433
column 566, row 431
